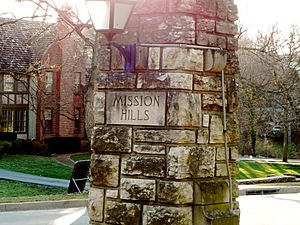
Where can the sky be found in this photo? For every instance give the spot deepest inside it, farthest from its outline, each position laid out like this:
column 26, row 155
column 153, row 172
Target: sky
column 255, row 15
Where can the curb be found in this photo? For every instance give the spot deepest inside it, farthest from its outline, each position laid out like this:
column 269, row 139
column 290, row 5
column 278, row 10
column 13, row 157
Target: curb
column 266, row 190
column 43, row 205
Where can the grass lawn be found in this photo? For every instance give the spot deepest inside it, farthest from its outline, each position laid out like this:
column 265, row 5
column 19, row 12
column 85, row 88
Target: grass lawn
column 36, row 165
column 254, row 169
column 11, row 191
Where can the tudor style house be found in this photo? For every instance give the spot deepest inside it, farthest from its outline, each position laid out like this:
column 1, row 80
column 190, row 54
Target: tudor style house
column 42, row 75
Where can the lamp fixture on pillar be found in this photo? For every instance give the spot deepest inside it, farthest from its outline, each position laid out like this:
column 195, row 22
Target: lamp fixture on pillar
column 110, row 17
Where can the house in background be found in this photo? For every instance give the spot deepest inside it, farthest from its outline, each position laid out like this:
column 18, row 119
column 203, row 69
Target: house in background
column 42, row 75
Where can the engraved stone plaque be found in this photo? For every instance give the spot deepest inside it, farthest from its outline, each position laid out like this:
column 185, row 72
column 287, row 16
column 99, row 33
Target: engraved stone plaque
column 136, row 108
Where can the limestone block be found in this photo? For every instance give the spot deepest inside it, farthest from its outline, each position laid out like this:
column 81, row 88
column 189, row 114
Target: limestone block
column 138, row 189
column 149, row 166
column 222, row 10
column 150, row 7
column 212, row 102
column 234, row 153
column 115, row 80
column 232, row 66
column 184, row 109
column 105, row 170
column 162, row 215
column 215, row 215
column 211, row 192
column 226, row 28
column 154, row 58
column 190, row 162
column 211, row 40
column 122, row 213
column 208, row 83
column 232, row 43
column 221, row 169
column 96, row 204
column 205, row 120
column 215, row 61
column 220, row 153
column 175, row 192
column 104, row 59
column 99, row 107
column 165, row 136
column 199, row 7
column 203, row 136
column 206, row 25
column 182, row 58
column 168, row 29
column 232, row 91
column 112, row 193
column 216, row 130
column 112, row 139
column 232, row 12
column 157, row 80
column 141, row 58
column 149, row 149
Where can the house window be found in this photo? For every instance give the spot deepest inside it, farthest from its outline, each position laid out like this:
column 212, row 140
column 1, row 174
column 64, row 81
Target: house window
column 48, row 119
column 77, row 81
column 77, row 119
column 49, row 82
column 14, row 120
column 22, row 84
column 8, row 83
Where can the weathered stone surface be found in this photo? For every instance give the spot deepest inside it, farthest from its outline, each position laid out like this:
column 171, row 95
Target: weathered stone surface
column 99, row 107
column 122, row 213
column 165, row 136
column 157, row 80
column 203, row 136
column 220, row 153
column 234, row 153
column 168, row 29
column 221, row 169
column 215, row 61
column 218, row 214
column 162, row 215
column 212, row 102
column 191, row 162
column 211, row 192
column 150, row 149
column 149, row 166
column 115, row 80
column 205, row 120
column 138, row 189
column 175, row 192
column 150, row 7
column 112, row 139
column 232, row 95
column 232, row 44
column 141, row 58
column 211, row 40
column 232, row 66
column 105, row 170
column 206, row 25
column 184, row 109
column 208, row 83
column 200, row 7
column 136, row 108
column 226, row 28
column 216, row 129
column 182, row 58
column 96, row 204
column 154, row 58
column 112, row 194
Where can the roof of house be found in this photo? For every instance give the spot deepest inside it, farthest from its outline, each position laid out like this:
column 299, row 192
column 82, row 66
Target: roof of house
column 23, row 42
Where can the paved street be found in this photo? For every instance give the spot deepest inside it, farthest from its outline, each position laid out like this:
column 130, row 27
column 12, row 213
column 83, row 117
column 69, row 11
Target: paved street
column 255, row 210
column 270, row 209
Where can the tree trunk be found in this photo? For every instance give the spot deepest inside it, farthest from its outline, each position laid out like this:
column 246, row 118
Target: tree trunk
column 285, row 144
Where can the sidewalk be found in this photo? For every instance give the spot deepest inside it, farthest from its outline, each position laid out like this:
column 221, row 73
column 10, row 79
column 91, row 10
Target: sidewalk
column 28, row 178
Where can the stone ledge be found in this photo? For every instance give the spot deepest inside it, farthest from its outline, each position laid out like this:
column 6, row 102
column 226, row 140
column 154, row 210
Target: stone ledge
column 277, row 179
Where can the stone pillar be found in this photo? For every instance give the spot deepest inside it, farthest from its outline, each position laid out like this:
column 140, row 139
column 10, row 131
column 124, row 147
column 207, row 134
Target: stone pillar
column 157, row 141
